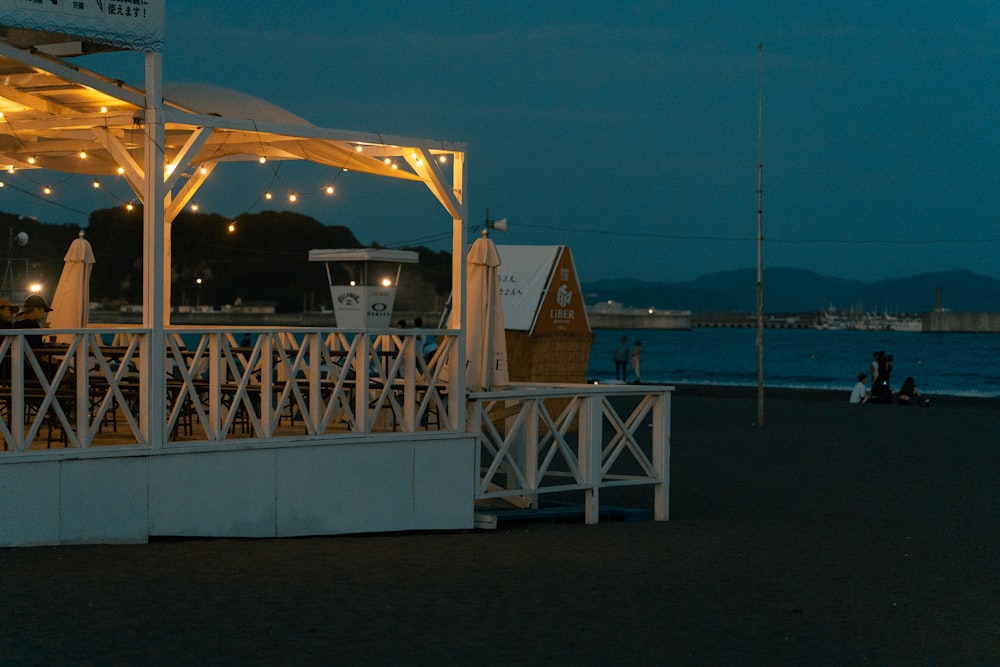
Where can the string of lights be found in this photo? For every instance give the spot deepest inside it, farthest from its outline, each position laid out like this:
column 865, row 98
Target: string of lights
column 51, row 193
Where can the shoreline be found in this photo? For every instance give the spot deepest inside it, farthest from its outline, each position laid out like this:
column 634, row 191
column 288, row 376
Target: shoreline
column 806, row 393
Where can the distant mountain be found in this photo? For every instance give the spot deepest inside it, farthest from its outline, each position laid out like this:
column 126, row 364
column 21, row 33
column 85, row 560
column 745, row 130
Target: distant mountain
column 789, row 290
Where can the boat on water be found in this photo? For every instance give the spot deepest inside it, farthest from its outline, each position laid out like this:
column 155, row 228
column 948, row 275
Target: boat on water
column 833, row 319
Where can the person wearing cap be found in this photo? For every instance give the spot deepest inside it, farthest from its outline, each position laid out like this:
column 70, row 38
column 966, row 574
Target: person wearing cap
column 7, row 312
column 30, row 317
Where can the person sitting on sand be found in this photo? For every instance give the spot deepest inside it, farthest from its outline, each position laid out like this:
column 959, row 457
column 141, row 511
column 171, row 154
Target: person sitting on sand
column 860, row 393
column 910, row 395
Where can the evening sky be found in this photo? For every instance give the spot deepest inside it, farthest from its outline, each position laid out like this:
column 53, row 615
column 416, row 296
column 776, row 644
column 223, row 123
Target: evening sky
column 628, row 131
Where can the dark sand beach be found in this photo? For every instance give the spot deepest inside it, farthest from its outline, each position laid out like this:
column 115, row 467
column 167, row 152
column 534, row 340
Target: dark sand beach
column 835, row 534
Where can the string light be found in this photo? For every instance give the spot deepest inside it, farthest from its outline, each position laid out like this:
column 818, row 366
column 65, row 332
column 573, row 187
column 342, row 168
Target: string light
column 104, row 109
column 292, row 194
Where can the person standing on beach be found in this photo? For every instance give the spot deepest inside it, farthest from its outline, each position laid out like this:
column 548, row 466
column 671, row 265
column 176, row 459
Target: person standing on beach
column 637, row 361
column 873, row 369
column 621, row 360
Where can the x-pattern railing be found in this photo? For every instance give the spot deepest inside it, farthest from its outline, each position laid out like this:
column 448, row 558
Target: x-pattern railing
column 536, row 439
column 359, row 380
column 70, row 388
column 218, row 389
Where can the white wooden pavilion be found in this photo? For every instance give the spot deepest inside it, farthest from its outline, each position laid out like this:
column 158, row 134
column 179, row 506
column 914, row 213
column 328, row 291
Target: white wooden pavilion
column 132, row 432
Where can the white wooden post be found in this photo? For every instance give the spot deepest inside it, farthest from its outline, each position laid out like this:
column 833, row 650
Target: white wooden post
column 456, row 365
column 530, row 442
column 591, row 445
column 156, row 270
column 661, row 456
column 409, row 351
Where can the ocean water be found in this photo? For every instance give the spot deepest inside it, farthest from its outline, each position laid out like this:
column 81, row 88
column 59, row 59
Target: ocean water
column 954, row 364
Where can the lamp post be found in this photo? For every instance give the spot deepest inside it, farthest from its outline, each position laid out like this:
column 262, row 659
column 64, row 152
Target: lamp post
column 197, row 294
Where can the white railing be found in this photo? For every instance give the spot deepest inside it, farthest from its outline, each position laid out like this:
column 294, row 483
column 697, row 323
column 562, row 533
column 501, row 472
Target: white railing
column 537, row 439
column 91, row 387
column 326, row 380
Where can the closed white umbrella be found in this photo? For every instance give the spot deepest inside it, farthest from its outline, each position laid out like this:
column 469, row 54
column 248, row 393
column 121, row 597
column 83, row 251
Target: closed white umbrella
column 71, row 302
column 485, row 340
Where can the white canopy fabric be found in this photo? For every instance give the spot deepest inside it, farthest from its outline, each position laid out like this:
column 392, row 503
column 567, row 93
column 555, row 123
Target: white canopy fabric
column 486, row 342
column 71, row 302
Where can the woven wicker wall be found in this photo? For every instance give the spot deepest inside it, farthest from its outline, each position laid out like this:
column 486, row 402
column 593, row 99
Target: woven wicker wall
column 553, row 358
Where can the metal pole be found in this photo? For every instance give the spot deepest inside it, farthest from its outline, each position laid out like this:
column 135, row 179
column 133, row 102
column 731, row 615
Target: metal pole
column 760, row 236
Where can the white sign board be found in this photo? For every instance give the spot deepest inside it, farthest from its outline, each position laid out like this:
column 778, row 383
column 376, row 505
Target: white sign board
column 523, row 275
column 360, row 307
column 128, row 24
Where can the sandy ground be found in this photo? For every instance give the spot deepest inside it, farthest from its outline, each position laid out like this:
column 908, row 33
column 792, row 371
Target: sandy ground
column 832, row 535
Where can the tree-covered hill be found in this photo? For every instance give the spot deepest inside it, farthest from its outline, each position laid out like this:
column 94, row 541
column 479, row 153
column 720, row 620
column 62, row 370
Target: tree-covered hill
column 264, row 258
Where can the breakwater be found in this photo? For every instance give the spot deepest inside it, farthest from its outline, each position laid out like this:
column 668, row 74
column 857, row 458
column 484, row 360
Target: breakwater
column 943, row 321
column 937, row 321
column 637, row 318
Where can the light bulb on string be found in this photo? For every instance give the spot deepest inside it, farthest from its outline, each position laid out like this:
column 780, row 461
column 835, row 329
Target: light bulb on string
column 329, row 189
column 47, row 190
column 292, row 197
column 96, row 185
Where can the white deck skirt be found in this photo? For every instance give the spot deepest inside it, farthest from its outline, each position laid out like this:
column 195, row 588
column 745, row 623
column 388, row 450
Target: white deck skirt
column 371, row 485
